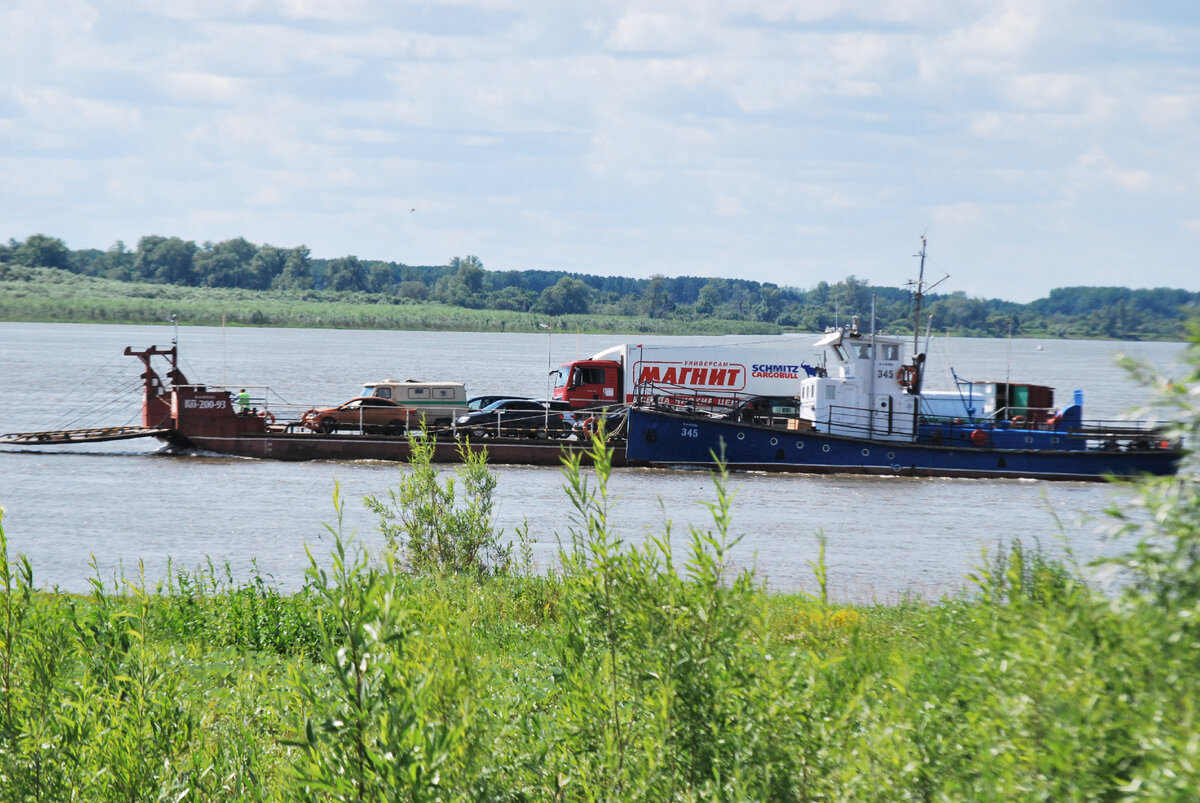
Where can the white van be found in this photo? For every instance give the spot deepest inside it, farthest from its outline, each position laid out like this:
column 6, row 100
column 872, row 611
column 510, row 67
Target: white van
column 439, row 402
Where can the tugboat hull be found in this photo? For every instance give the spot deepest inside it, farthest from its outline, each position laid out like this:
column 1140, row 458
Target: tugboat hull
column 674, row 440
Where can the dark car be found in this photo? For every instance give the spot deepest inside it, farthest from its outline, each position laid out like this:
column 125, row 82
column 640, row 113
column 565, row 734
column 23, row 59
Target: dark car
column 479, row 402
column 573, row 416
column 518, row 418
column 364, row 414
column 769, row 410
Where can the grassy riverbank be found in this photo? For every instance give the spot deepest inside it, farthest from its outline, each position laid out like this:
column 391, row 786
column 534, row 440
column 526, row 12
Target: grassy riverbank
column 428, row 673
column 49, row 295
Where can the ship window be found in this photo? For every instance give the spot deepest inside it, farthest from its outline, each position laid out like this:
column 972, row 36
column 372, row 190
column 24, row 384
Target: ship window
column 864, row 351
column 774, row 441
column 741, row 436
column 891, row 351
column 799, row 444
column 825, row 448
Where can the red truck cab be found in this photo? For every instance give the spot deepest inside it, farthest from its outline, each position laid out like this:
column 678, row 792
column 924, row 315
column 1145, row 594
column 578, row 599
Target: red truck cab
column 589, row 383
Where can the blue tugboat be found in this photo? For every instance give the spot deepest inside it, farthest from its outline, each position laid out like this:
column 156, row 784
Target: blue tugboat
column 863, row 410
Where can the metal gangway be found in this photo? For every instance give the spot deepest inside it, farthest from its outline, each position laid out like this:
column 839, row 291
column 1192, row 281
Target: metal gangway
column 71, row 436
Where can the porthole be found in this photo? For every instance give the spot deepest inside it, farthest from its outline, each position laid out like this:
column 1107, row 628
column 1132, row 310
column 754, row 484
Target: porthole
column 799, row 444
column 774, row 441
column 825, row 447
column 866, row 452
column 741, row 436
column 1029, row 439
column 891, row 455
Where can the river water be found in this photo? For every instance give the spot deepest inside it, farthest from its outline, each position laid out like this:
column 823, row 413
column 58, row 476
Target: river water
column 122, row 504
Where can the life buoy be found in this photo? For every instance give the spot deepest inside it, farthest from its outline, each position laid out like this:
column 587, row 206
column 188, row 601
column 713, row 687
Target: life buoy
column 267, row 416
column 979, row 437
column 906, row 375
column 1018, row 419
column 589, row 425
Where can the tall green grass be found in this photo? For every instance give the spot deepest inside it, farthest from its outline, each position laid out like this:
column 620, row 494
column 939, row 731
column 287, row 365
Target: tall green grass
column 648, row 672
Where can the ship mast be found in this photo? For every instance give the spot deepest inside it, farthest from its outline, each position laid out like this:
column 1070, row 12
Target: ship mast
column 919, row 288
column 917, row 295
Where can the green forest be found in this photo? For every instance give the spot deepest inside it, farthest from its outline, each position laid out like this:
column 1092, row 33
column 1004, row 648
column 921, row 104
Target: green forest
column 239, row 282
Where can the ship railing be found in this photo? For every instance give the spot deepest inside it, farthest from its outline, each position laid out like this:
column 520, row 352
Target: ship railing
column 508, row 424
column 259, row 394
column 1094, row 434
column 860, row 422
column 263, row 401
column 691, row 401
column 1123, row 435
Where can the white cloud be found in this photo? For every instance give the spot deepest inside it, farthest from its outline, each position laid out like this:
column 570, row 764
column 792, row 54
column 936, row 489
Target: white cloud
column 617, row 138
column 958, row 215
column 1097, row 169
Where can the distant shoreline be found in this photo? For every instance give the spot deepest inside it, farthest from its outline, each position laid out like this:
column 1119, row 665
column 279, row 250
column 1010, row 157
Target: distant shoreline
column 48, row 295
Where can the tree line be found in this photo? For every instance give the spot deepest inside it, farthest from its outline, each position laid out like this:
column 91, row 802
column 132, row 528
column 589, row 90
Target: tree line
column 1100, row 312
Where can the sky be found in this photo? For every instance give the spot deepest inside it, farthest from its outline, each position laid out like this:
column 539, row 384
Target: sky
column 1035, row 143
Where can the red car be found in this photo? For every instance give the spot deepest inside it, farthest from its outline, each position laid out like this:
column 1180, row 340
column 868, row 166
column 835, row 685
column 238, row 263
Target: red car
column 364, row 414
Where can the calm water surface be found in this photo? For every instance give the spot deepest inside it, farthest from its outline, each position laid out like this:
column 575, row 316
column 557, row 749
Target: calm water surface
column 121, row 504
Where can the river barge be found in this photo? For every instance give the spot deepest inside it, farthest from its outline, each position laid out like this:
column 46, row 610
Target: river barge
column 189, row 417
